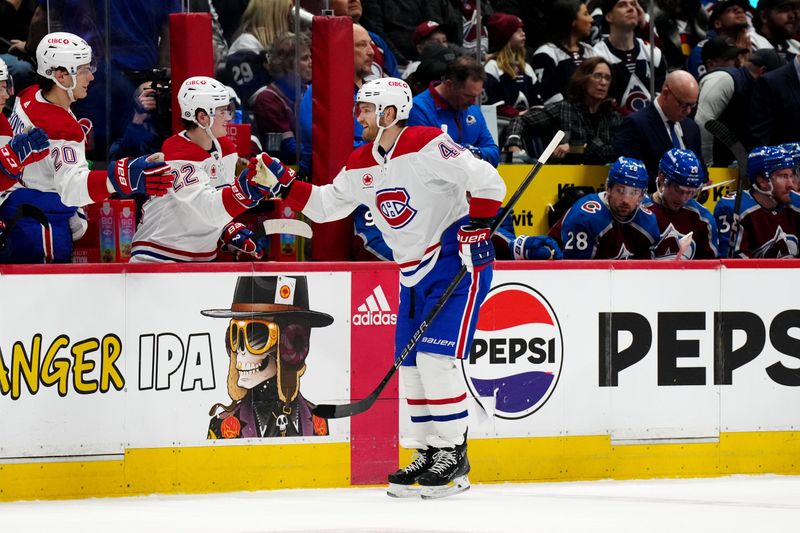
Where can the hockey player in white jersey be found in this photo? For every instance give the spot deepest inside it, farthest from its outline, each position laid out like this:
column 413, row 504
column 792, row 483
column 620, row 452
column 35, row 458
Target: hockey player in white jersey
column 433, row 202
column 62, row 182
column 185, row 224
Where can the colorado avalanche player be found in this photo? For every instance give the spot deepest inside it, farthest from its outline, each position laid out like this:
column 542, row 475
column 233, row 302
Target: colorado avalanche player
column 185, row 224
column 416, row 181
column 611, row 224
column 680, row 177
column 769, row 215
column 61, row 183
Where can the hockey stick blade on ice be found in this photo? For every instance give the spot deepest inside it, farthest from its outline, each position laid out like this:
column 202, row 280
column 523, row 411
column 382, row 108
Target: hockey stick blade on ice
column 724, row 135
column 359, row 406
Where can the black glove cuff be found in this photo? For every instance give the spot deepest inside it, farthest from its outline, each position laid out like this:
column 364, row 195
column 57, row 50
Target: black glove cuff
column 480, row 222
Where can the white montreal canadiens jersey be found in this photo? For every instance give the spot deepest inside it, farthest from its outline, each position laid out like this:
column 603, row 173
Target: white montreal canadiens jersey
column 414, row 196
column 185, row 223
column 66, row 171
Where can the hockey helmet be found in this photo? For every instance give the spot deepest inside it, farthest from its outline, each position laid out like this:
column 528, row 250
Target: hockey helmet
column 201, row 93
column 387, row 92
column 3, row 71
column 765, row 160
column 682, row 168
column 62, row 50
column 793, row 149
column 628, row 171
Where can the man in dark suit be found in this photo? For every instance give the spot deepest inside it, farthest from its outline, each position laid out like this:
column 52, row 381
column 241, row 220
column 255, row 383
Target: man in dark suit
column 662, row 125
column 775, row 107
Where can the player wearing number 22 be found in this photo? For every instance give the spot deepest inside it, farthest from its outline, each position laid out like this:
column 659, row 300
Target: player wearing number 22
column 611, row 224
column 433, row 203
column 185, row 224
column 57, row 181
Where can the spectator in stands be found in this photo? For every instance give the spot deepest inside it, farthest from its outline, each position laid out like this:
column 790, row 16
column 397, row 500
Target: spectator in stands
column 726, row 95
column 463, row 14
column 775, row 22
column 662, row 124
column 230, row 14
column 362, row 63
column 629, row 56
column 688, row 230
column 274, row 106
column 769, row 214
column 426, row 33
column 774, row 114
column 611, row 224
column 451, row 105
column 556, row 61
column 587, row 116
column 532, row 13
column 727, row 19
column 432, row 67
column 142, row 135
column 262, row 22
column 510, row 81
column 720, row 52
column 15, row 20
column 680, row 25
column 383, row 62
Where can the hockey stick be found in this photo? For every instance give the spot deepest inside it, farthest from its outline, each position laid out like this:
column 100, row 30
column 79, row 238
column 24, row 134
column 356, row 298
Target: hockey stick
column 724, row 135
column 357, row 407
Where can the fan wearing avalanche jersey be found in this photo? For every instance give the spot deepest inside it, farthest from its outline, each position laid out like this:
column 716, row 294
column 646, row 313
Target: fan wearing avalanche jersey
column 611, row 224
column 433, row 202
column 185, row 224
column 769, row 214
column 680, row 177
column 61, row 182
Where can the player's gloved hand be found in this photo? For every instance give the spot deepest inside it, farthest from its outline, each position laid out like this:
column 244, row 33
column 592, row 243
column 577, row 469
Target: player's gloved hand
column 245, row 190
column 270, row 172
column 474, row 246
column 23, row 149
column 131, row 176
column 239, row 240
column 536, row 247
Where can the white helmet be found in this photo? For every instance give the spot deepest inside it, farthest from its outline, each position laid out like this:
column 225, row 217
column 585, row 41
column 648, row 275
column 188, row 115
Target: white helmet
column 204, row 93
column 3, row 71
column 387, row 92
column 61, row 50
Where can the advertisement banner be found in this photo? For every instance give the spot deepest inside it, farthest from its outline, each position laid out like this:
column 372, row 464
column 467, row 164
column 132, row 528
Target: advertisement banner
column 105, row 363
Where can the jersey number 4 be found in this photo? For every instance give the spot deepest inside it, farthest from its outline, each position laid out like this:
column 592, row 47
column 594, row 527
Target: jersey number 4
column 448, row 150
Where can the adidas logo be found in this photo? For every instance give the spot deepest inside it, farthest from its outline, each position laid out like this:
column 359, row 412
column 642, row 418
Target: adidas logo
column 375, row 311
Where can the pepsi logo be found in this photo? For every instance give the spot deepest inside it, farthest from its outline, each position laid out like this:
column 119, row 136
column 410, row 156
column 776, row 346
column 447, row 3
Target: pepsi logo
column 518, row 351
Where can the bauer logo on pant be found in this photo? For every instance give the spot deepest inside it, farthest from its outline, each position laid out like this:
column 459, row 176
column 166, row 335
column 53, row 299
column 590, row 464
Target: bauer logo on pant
column 517, row 354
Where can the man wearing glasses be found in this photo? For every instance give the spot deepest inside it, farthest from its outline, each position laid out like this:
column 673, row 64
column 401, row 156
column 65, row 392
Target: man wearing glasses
column 662, row 125
column 688, row 230
column 611, row 224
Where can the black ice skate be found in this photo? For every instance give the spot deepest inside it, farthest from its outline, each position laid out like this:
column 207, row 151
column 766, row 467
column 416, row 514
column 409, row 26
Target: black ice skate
column 448, row 473
column 402, row 484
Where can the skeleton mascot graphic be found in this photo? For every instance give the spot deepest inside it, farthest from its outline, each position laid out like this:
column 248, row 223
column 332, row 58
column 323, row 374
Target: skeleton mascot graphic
column 267, row 340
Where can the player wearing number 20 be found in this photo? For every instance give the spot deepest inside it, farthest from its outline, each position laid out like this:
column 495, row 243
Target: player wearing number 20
column 185, row 224
column 611, row 224
column 61, row 182
column 433, row 202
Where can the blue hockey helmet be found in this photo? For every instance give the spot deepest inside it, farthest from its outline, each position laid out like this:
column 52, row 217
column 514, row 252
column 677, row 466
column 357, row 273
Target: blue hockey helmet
column 682, row 168
column 765, row 160
column 793, row 149
column 628, row 171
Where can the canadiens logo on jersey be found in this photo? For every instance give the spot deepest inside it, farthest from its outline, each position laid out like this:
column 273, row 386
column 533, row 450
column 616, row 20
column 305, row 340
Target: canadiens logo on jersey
column 395, row 207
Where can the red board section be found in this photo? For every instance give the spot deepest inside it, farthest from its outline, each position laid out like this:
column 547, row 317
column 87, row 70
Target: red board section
column 374, row 433
column 332, row 129
column 191, row 53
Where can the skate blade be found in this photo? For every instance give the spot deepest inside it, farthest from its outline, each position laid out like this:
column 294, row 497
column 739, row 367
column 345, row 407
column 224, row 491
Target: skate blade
column 403, row 491
column 460, row 484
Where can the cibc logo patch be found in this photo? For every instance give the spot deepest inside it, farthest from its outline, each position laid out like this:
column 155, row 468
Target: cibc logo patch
column 518, row 351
